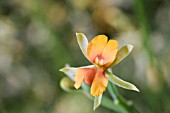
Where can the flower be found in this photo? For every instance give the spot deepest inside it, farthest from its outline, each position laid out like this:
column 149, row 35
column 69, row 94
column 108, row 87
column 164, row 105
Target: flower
column 102, row 53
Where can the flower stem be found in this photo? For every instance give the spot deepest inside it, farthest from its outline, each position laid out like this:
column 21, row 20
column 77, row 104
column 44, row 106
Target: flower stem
column 145, row 29
column 124, row 107
column 118, row 104
column 113, row 92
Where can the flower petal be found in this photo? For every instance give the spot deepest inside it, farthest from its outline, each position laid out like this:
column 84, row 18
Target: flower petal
column 96, row 46
column 89, row 76
column 109, row 52
column 122, row 53
column 80, row 73
column 83, row 42
column 120, row 82
column 99, row 83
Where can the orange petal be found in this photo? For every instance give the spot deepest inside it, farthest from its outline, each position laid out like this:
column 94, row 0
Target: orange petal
column 80, row 73
column 96, row 46
column 109, row 52
column 99, row 83
column 89, row 77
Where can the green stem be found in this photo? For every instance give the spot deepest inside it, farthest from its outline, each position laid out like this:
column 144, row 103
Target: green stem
column 107, row 103
column 140, row 9
column 112, row 92
column 122, row 103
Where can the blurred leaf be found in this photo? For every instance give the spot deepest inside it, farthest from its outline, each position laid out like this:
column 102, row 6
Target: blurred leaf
column 83, row 42
column 122, row 53
column 97, row 101
column 120, row 82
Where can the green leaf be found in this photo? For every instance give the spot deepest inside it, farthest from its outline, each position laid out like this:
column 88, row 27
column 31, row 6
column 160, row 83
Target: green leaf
column 120, row 82
column 71, row 71
column 122, row 53
column 97, row 101
column 83, row 42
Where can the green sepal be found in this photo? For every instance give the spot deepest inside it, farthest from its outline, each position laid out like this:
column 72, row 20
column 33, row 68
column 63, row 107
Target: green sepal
column 97, row 101
column 121, row 54
column 83, row 42
column 119, row 82
column 71, row 71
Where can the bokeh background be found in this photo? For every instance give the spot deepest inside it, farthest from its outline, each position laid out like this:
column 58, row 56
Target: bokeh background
column 37, row 38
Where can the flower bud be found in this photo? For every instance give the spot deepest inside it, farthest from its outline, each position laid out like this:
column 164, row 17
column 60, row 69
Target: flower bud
column 67, row 84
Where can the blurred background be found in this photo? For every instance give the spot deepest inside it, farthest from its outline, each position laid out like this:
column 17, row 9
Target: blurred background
column 37, row 38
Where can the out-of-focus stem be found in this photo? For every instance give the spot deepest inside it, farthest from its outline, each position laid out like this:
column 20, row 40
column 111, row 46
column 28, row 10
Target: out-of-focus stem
column 140, row 10
column 113, row 92
column 144, row 26
column 123, row 104
column 120, row 106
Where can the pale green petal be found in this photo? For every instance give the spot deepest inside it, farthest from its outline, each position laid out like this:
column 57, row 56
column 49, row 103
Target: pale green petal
column 83, row 42
column 71, row 71
column 122, row 53
column 120, row 82
column 97, row 101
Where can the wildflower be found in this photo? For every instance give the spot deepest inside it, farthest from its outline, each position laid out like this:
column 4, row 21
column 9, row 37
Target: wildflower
column 103, row 54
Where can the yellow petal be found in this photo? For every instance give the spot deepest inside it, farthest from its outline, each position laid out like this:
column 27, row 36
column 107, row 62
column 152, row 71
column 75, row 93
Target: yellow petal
column 96, row 46
column 109, row 52
column 80, row 73
column 99, row 83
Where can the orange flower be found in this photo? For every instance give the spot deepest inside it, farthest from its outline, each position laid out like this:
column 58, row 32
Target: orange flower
column 102, row 53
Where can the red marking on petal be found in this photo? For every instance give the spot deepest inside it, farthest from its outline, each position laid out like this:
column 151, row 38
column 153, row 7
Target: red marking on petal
column 89, row 77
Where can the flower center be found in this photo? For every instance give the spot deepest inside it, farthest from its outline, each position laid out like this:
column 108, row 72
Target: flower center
column 99, row 61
